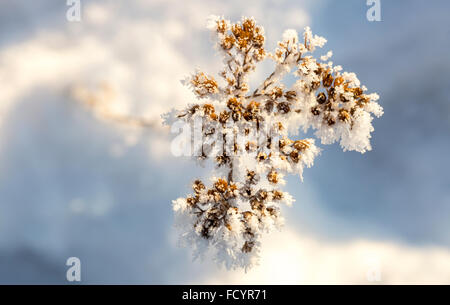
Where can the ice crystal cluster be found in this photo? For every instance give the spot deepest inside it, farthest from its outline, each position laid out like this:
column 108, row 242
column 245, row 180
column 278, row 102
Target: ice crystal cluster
column 249, row 135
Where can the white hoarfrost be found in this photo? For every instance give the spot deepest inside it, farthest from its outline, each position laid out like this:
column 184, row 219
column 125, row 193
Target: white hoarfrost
column 247, row 135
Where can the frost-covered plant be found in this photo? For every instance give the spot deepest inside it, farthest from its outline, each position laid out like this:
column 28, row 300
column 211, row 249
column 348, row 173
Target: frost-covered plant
column 247, row 132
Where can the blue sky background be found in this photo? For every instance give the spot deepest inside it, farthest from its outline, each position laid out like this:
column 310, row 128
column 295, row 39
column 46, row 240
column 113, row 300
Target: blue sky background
column 72, row 184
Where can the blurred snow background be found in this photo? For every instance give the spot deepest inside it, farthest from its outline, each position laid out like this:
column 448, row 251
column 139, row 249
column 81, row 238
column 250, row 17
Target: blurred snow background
column 74, row 185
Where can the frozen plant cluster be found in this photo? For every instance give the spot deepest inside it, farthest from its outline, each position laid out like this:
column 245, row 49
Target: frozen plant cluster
column 248, row 135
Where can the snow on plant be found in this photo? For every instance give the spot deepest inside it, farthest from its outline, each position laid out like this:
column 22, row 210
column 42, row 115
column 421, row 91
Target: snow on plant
column 247, row 134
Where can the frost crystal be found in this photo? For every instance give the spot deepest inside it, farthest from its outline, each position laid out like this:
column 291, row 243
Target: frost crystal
column 246, row 133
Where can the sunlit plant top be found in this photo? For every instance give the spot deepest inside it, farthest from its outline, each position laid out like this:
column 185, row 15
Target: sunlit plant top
column 248, row 133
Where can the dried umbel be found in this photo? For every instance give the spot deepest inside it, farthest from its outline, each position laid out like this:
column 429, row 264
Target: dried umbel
column 248, row 135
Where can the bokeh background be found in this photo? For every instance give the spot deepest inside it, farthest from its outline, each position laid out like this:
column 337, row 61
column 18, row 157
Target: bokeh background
column 74, row 183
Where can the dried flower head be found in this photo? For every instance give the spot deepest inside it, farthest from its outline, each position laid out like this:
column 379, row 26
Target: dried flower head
column 247, row 134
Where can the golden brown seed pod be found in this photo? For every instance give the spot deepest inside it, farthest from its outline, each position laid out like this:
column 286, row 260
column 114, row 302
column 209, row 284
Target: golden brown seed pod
column 208, row 109
column 228, row 42
column 213, row 116
column 250, row 146
column 204, row 84
column 221, row 185
column 331, row 121
column 315, row 110
column 321, row 98
column 301, row 145
column 272, row 211
column 362, row 101
column 344, row 115
column 191, row 201
column 250, row 175
column 357, row 92
column 214, row 194
column 236, row 115
column 277, row 92
column 222, row 26
column 262, row 195
column 194, row 109
column 328, row 106
column 247, row 214
column 198, row 186
column 343, row 98
column 269, row 106
column 224, row 116
column 331, row 93
column 319, row 70
column 234, row 104
column 247, row 247
column 253, row 107
column 261, row 156
column 248, row 116
column 283, row 107
column 327, row 80
column 290, row 95
column 338, row 81
column 315, row 85
column 277, row 195
column 294, row 156
column 272, row 177
column 256, row 204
